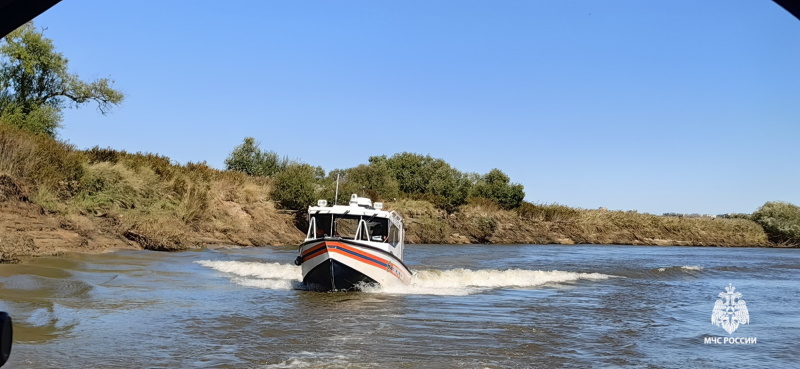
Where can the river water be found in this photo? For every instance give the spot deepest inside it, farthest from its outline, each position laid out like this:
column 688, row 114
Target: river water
column 471, row 306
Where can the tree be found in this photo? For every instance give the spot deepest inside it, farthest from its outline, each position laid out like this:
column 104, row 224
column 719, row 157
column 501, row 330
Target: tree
column 412, row 171
column 248, row 158
column 496, row 186
column 35, row 85
column 428, row 178
column 376, row 181
column 446, row 188
column 296, row 187
column 780, row 220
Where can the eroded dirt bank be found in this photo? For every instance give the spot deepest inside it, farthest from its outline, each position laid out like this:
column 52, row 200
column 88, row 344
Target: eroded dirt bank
column 27, row 229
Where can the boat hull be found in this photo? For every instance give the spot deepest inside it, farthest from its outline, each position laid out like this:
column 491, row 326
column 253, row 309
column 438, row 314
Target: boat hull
column 344, row 265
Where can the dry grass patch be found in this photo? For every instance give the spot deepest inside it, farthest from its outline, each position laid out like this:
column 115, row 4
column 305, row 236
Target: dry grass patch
column 14, row 245
column 634, row 228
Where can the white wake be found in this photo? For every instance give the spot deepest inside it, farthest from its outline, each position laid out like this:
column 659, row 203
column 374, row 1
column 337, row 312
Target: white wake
column 685, row 267
column 273, row 276
column 425, row 282
column 466, row 281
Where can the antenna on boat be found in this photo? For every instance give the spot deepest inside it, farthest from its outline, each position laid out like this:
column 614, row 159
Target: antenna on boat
column 336, row 197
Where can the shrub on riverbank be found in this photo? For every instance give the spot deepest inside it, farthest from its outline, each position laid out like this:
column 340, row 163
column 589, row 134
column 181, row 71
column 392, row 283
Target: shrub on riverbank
column 141, row 197
column 781, row 221
column 39, row 159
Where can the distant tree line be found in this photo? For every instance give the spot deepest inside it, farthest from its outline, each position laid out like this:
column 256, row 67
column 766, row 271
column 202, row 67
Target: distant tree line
column 422, row 177
column 403, row 175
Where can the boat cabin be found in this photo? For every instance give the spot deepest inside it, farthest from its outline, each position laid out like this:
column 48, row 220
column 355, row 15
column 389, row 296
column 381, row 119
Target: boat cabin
column 360, row 220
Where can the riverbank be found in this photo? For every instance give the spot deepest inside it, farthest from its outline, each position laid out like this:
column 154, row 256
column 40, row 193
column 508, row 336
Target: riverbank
column 55, row 198
column 557, row 224
column 29, row 229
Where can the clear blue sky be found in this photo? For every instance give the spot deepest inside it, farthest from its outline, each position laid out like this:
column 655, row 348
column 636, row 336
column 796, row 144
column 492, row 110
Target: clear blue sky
column 685, row 106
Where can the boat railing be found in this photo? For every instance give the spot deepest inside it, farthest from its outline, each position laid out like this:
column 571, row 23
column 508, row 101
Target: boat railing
column 362, row 233
column 312, row 229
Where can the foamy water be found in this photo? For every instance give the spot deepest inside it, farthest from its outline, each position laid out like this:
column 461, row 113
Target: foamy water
column 453, row 282
column 466, row 281
column 253, row 269
column 308, row 359
column 685, row 267
column 273, row 276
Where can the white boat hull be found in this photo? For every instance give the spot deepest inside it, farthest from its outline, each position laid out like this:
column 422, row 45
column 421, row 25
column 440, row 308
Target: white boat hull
column 335, row 264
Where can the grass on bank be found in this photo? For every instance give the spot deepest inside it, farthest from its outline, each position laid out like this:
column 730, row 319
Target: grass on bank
column 145, row 197
column 481, row 222
column 163, row 205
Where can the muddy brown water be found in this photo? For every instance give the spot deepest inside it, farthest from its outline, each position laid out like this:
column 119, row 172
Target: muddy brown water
column 472, row 306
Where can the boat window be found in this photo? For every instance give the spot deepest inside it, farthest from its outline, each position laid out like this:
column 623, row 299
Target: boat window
column 378, row 229
column 345, row 226
column 323, row 222
column 394, row 235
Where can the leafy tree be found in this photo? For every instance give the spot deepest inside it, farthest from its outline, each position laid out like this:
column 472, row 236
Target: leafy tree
column 248, row 158
column 35, row 85
column 496, row 186
column 296, row 186
column 327, row 187
column 427, row 178
column 449, row 188
column 780, row 220
column 412, row 171
column 375, row 180
column 360, row 180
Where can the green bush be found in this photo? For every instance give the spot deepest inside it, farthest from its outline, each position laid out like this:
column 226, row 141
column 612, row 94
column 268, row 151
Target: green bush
column 496, row 186
column 484, row 227
column 780, row 220
column 295, row 187
column 248, row 158
column 375, row 181
column 425, row 177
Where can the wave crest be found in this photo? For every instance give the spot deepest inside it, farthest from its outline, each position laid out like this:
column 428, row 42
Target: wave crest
column 425, row 282
column 273, row 276
column 466, row 281
column 678, row 268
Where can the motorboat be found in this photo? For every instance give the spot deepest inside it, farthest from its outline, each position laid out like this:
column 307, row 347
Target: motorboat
column 351, row 246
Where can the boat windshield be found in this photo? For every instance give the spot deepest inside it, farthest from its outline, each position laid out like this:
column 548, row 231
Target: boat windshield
column 347, row 226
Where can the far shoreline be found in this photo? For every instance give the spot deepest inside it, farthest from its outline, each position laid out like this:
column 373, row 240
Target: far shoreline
column 56, row 252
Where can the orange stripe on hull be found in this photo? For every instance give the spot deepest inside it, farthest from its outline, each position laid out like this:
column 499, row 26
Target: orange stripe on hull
column 359, row 256
column 368, row 262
